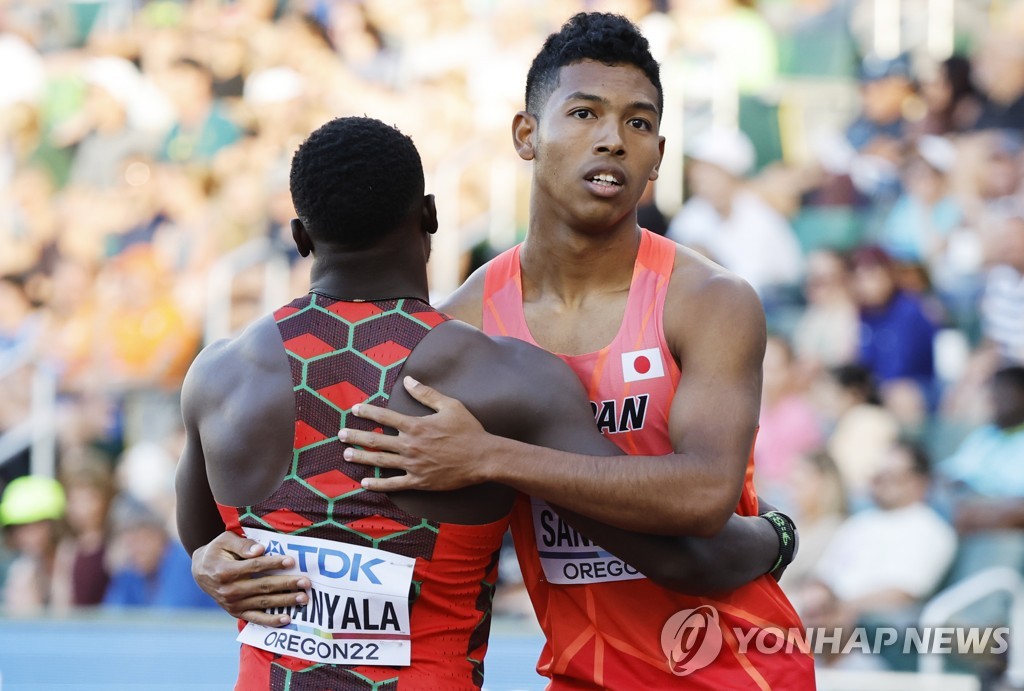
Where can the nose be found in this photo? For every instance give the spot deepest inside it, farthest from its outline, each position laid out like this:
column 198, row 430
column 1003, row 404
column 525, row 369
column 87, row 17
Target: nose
column 610, row 140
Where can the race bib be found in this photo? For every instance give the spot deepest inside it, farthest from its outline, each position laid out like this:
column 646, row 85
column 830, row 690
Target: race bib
column 568, row 557
column 358, row 609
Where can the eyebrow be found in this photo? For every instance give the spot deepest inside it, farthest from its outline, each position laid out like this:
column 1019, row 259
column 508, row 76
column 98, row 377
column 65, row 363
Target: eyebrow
column 635, row 105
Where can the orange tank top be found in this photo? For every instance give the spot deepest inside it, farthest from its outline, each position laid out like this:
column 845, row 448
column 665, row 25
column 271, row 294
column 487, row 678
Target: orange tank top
column 428, row 631
column 606, row 626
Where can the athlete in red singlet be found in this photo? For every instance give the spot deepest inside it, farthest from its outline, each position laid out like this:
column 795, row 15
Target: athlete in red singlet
column 398, row 586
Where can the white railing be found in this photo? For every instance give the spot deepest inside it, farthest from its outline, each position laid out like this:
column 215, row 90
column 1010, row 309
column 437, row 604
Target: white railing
column 219, row 303
column 840, row 680
column 37, row 433
column 958, row 597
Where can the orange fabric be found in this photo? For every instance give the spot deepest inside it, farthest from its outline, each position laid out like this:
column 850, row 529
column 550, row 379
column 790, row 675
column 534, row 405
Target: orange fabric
column 608, row 634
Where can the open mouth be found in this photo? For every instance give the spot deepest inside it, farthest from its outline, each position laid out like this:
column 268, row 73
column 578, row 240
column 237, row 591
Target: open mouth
column 605, row 180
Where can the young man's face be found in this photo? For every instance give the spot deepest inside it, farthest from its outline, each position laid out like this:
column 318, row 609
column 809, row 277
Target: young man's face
column 595, row 144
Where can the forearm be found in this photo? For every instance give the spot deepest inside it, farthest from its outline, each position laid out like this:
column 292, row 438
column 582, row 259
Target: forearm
column 660, row 495
column 745, row 548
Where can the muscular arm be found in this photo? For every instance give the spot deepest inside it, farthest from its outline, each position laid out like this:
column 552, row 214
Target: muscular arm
column 549, row 408
column 717, row 328
column 198, row 519
column 742, row 550
column 222, row 562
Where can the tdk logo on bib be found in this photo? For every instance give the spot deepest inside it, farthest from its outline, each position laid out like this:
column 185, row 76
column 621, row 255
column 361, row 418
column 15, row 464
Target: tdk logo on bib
column 331, row 563
column 357, row 611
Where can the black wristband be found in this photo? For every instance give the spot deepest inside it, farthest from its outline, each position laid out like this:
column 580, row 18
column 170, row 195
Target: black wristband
column 786, row 530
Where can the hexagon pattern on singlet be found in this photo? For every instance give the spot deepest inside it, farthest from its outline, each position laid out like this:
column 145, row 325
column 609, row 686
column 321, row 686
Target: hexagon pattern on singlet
column 342, row 353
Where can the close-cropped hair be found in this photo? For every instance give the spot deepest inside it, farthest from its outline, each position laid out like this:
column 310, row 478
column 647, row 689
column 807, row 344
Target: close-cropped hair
column 354, row 180
column 608, row 38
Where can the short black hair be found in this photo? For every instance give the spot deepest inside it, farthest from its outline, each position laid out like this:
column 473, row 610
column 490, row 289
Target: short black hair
column 1010, row 375
column 859, row 380
column 354, row 180
column 599, row 36
column 920, row 463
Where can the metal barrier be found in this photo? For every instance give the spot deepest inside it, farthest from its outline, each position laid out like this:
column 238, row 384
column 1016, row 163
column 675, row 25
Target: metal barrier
column 38, row 433
column 941, row 608
column 223, row 274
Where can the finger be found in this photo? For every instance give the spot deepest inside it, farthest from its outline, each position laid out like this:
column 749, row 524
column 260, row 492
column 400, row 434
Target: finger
column 432, row 398
column 383, row 416
column 237, row 545
column 390, row 484
column 254, row 566
column 381, row 442
column 375, row 458
column 258, row 617
column 246, row 594
column 270, row 601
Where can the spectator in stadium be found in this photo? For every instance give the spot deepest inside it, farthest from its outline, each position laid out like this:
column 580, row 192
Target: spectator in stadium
column 885, row 87
column 925, row 214
column 989, row 463
column 1003, row 301
column 826, row 333
column 983, row 486
column 147, row 567
column 885, row 558
column 31, row 514
column 731, row 224
column 203, row 126
column 1000, row 72
column 789, row 426
column 80, row 578
column 896, row 337
column 819, row 508
column 953, row 101
column 859, row 429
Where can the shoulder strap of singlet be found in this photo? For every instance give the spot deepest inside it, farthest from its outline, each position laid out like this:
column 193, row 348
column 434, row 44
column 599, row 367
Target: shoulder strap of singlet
column 503, row 294
column 657, row 253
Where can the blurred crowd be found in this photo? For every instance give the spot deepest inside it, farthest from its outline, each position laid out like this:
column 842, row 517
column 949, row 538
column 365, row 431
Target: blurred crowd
column 875, row 200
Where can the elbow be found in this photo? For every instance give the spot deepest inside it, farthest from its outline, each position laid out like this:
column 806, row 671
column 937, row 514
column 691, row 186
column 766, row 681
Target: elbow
column 709, row 517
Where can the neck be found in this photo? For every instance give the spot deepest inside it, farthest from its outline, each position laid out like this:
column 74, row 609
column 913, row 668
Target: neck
column 571, row 264
column 377, row 273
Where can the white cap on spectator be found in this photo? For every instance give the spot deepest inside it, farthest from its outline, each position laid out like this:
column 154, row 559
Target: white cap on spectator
column 729, row 149
column 274, row 85
column 938, row 152
column 24, row 72
column 120, row 78
column 146, row 471
column 147, row 107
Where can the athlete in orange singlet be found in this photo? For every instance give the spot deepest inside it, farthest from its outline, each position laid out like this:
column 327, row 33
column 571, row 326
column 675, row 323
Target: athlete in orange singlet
column 669, row 347
column 398, row 586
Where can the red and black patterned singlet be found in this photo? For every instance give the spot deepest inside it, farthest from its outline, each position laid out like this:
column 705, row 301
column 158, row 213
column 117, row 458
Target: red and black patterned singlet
column 343, row 353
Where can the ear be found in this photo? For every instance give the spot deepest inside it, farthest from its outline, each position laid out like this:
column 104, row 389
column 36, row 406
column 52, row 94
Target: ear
column 429, row 219
column 303, row 243
column 524, row 132
column 661, row 156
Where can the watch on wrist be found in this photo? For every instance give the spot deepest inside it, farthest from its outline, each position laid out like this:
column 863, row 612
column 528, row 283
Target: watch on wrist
column 786, row 530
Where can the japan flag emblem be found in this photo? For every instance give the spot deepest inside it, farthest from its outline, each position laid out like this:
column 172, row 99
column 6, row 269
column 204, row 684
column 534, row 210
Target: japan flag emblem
column 638, row 365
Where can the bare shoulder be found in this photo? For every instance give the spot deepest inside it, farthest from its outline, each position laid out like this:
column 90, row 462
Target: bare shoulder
column 467, row 302
column 223, row 368
column 706, row 301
